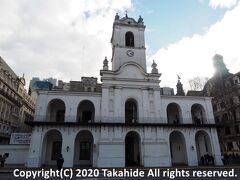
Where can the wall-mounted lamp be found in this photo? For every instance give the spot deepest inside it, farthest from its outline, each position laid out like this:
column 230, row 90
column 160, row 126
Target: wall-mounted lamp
column 192, row 148
column 67, row 148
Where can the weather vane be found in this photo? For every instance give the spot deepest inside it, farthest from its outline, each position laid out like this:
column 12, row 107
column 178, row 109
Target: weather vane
column 178, row 77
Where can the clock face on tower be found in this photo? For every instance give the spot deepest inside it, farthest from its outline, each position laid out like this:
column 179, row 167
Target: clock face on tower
column 130, row 53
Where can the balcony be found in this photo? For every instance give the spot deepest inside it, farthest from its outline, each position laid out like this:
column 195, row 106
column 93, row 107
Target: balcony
column 18, row 103
column 14, row 124
column 100, row 120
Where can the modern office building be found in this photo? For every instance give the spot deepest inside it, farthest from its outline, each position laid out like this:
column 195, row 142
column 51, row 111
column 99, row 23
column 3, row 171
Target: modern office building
column 37, row 84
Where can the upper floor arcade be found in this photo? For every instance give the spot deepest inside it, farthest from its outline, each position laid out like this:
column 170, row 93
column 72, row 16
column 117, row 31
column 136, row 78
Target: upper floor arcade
column 62, row 107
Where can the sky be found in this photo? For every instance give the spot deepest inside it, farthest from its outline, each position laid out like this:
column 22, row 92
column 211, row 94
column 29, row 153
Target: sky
column 68, row 39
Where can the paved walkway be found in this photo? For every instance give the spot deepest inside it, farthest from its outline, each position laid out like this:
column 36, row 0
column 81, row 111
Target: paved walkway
column 10, row 168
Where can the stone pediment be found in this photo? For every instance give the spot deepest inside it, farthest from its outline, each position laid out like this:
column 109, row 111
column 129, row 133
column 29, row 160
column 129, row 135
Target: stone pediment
column 131, row 70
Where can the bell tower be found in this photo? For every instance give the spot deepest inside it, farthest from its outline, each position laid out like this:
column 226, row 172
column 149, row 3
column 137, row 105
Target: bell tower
column 128, row 43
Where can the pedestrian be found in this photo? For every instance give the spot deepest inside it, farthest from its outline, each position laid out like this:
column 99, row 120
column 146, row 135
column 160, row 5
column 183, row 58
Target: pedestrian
column 205, row 159
column 3, row 159
column 202, row 160
column 60, row 162
column 208, row 159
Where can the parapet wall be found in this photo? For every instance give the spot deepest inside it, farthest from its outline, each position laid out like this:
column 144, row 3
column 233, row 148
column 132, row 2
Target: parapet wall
column 17, row 154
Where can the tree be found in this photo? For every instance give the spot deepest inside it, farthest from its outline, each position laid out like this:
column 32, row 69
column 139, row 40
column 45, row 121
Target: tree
column 198, row 83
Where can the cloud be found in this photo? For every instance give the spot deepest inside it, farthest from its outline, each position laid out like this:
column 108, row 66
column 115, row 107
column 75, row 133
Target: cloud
column 69, row 39
column 192, row 56
column 64, row 39
column 222, row 3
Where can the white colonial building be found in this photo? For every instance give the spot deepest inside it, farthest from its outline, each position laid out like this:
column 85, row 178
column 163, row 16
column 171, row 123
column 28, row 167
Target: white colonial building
column 124, row 121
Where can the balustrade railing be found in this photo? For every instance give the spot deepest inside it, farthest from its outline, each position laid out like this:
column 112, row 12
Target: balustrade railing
column 98, row 119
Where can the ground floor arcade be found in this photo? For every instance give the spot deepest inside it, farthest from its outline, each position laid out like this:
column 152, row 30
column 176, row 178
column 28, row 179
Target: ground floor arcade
column 121, row 146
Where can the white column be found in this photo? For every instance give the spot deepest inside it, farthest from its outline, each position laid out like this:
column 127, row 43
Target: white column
column 191, row 149
column 164, row 151
column 151, row 149
column 157, row 103
column 41, row 108
column 104, row 105
column 186, row 114
column 68, row 146
column 209, row 111
column 119, row 111
column 145, row 106
column 95, row 152
column 71, row 111
column 111, row 149
column 216, row 148
column 34, row 158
